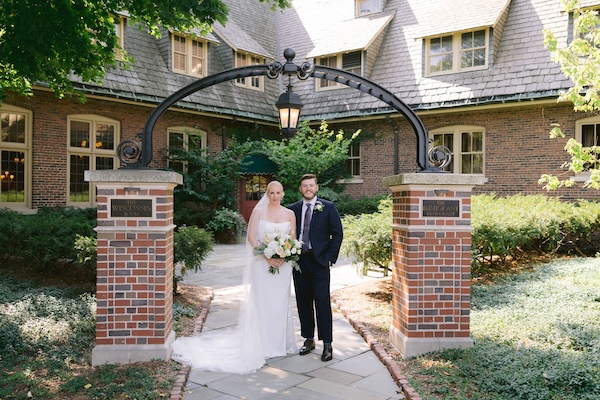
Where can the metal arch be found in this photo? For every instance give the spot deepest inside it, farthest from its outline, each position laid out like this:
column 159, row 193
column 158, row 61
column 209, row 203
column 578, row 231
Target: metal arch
column 136, row 158
column 145, row 157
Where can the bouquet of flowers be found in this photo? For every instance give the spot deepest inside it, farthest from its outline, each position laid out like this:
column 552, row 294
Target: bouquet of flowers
column 280, row 245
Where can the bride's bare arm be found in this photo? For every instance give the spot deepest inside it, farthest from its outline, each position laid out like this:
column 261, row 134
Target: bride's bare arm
column 253, row 228
column 292, row 219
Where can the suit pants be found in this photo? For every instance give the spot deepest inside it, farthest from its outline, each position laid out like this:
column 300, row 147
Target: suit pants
column 312, row 286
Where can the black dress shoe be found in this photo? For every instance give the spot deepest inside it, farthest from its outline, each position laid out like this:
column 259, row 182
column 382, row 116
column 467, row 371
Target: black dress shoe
column 327, row 353
column 307, row 347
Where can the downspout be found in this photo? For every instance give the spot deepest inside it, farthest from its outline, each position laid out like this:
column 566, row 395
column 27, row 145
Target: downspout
column 396, row 142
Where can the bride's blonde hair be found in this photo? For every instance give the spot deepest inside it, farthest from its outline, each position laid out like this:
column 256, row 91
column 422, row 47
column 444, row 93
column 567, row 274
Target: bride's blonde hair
column 275, row 183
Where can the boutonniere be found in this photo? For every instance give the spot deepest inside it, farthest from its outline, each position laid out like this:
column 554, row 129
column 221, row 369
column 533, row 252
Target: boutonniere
column 319, row 206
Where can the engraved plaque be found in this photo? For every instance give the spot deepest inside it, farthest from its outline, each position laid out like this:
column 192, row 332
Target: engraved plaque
column 131, row 208
column 441, row 208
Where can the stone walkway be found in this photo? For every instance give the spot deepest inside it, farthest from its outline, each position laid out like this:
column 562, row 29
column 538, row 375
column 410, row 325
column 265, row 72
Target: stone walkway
column 354, row 373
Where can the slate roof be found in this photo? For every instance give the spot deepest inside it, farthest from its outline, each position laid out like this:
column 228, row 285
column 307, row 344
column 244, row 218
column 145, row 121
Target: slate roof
column 520, row 68
column 348, row 35
column 151, row 80
column 238, row 39
column 460, row 15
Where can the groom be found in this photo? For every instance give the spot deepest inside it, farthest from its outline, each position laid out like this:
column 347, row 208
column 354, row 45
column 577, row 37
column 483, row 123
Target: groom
column 319, row 226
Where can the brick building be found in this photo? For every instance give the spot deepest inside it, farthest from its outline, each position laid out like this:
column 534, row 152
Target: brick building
column 475, row 71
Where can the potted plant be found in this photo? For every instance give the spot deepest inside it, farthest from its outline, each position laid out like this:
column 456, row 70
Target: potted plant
column 227, row 224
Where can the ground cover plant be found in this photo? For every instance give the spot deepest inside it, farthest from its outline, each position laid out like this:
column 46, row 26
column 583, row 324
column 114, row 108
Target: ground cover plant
column 536, row 336
column 47, row 332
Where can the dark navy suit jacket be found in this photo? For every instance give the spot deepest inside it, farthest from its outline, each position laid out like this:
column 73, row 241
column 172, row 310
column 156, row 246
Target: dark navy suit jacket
column 326, row 232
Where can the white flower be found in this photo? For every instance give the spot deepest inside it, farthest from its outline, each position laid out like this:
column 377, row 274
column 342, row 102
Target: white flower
column 319, row 206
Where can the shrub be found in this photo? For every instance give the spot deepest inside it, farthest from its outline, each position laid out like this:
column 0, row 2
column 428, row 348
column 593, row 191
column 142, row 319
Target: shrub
column 44, row 239
column 191, row 246
column 510, row 228
column 364, row 205
column 87, row 253
column 368, row 238
column 226, row 219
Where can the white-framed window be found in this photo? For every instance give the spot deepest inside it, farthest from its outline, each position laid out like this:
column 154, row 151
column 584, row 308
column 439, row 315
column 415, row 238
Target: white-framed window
column 351, row 62
column 251, row 82
column 587, row 132
column 92, row 143
column 189, row 55
column 466, row 144
column 365, row 7
column 120, row 32
column 182, row 137
column 15, row 157
column 457, row 52
column 353, row 160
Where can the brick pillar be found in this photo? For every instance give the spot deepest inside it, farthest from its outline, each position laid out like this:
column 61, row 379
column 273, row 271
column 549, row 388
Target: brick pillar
column 134, row 287
column 431, row 261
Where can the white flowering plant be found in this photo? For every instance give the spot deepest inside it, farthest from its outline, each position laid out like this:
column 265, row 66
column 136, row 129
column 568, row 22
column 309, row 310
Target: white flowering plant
column 282, row 246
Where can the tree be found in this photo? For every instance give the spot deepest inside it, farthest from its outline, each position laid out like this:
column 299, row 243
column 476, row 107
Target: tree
column 579, row 61
column 46, row 41
column 321, row 152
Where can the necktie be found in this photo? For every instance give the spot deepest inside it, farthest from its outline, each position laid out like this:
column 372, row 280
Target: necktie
column 306, row 228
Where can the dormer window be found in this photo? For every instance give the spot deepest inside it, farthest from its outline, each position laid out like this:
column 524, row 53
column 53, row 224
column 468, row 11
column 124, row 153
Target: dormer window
column 189, row 55
column 251, row 82
column 365, row 7
column 457, row 52
column 351, row 62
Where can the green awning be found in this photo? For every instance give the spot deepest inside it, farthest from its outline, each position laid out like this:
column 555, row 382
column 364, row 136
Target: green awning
column 257, row 164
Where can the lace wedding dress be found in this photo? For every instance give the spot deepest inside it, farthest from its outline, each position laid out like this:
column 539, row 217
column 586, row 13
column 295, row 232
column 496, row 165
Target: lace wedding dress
column 265, row 328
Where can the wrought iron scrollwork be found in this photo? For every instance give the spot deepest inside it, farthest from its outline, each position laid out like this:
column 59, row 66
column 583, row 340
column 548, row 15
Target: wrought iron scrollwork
column 440, row 156
column 129, row 152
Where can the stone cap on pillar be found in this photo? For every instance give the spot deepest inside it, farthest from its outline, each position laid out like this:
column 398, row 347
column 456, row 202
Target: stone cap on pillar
column 134, row 176
column 434, row 179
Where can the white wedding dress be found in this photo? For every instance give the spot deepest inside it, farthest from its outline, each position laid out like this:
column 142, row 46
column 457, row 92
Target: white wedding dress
column 265, row 328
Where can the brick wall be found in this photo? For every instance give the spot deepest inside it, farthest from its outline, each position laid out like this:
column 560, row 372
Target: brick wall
column 49, row 142
column 518, row 149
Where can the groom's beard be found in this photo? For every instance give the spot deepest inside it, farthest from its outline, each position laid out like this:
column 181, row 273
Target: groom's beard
column 308, row 196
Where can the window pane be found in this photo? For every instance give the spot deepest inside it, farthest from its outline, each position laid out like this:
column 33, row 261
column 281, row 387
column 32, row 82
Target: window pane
column 466, row 145
column 477, row 143
column 356, row 167
column 352, row 62
column 368, row 6
column 479, row 57
column 197, row 57
column 440, row 63
column 329, row 62
column 477, row 164
column 13, row 128
column 447, row 44
column 466, row 59
column 479, row 39
column 256, row 186
column 80, row 134
column 240, row 62
column 105, row 136
column 466, row 41
column 587, row 135
column 103, row 163
column 466, row 164
column 12, row 177
column 79, row 190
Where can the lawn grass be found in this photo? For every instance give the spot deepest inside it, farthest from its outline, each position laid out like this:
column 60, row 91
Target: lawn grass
column 46, row 338
column 536, row 337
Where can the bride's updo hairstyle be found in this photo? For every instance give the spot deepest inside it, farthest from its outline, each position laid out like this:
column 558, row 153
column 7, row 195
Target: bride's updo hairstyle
column 274, row 183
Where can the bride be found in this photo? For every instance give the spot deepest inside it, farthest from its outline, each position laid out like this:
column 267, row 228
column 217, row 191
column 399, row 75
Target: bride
column 265, row 328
